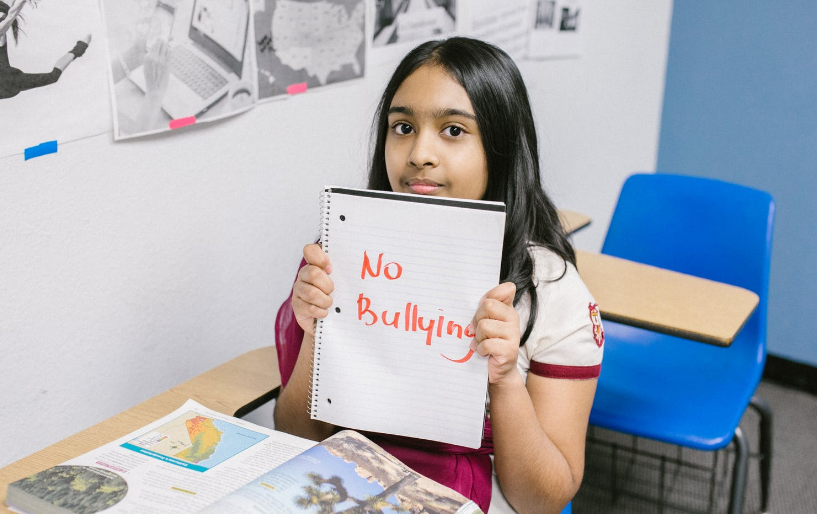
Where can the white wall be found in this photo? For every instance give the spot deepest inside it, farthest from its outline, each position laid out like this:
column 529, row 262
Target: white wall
column 126, row 268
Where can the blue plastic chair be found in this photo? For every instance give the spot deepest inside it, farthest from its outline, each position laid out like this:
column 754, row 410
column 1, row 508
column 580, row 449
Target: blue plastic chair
column 568, row 509
column 675, row 390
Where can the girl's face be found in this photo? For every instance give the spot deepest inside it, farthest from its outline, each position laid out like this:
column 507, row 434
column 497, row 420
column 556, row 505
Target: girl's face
column 433, row 146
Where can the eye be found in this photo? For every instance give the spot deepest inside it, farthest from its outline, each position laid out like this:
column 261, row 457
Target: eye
column 453, row 131
column 402, row 128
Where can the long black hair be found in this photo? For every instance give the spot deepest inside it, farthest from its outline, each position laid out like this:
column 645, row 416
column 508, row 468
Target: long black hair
column 15, row 25
column 505, row 120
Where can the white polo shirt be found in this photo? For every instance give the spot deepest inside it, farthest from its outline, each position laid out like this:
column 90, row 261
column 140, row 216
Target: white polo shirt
column 567, row 340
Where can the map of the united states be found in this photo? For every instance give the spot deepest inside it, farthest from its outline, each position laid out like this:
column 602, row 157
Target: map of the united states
column 319, row 37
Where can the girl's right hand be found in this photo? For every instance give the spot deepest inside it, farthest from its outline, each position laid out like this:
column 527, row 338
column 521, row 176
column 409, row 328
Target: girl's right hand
column 310, row 294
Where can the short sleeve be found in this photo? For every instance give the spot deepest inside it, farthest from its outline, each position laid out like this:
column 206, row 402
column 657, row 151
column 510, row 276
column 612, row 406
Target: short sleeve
column 567, row 340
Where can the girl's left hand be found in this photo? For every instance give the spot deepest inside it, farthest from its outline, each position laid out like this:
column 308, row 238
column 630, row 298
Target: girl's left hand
column 496, row 325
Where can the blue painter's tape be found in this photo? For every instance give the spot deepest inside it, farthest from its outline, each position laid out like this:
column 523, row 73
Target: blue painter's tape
column 41, row 149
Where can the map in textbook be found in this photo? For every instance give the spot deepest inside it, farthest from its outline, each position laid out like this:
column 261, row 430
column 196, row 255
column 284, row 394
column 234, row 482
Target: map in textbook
column 195, row 441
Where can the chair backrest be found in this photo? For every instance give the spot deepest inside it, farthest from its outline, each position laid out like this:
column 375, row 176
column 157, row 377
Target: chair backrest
column 698, row 226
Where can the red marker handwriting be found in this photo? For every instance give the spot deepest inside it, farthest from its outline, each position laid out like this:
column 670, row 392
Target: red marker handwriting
column 392, row 271
column 411, row 321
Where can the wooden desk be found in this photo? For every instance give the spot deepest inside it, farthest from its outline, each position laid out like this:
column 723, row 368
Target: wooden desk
column 661, row 300
column 236, row 387
column 572, row 220
column 665, row 301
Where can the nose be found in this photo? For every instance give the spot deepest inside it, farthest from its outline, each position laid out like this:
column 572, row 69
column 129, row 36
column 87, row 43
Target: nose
column 424, row 151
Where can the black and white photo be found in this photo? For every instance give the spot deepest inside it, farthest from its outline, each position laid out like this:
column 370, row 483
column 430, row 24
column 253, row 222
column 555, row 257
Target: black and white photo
column 177, row 60
column 503, row 24
column 555, row 29
column 401, row 21
column 52, row 74
column 570, row 19
column 545, row 14
column 308, row 44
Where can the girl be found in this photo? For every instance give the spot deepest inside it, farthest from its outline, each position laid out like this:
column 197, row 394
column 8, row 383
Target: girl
column 455, row 121
column 12, row 80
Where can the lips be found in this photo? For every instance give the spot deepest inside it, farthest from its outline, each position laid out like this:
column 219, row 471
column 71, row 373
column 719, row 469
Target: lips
column 423, row 186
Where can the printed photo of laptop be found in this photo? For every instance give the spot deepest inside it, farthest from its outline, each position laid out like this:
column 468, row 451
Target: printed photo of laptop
column 205, row 66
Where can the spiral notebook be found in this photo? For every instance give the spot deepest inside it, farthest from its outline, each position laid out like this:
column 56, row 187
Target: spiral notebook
column 393, row 354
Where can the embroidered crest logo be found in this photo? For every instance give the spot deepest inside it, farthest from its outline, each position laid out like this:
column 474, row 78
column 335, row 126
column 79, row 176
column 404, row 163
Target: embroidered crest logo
column 595, row 318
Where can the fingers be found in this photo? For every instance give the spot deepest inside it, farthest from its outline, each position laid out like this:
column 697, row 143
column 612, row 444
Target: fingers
column 159, row 48
column 317, row 269
column 314, row 255
column 157, row 53
column 496, row 322
column 157, row 70
column 310, row 293
column 494, row 337
column 487, row 329
column 305, row 311
column 498, row 341
column 314, row 286
column 497, row 304
column 504, row 292
column 310, row 302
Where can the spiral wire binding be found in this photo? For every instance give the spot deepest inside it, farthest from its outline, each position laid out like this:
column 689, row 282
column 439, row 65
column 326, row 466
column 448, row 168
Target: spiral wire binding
column 314, row 366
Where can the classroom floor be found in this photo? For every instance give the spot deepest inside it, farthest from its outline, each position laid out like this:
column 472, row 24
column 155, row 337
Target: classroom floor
column 688, row 489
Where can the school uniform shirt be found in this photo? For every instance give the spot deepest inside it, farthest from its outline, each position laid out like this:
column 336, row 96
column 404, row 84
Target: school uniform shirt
column 567, row 340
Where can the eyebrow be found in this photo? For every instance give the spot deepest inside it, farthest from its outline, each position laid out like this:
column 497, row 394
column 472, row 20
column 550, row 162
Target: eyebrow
column 440, row 113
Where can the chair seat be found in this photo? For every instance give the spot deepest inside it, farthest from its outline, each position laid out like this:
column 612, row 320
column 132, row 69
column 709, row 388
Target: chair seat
column 693, row 397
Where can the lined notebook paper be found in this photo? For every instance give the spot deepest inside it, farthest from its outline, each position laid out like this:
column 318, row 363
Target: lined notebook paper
column 393, row 354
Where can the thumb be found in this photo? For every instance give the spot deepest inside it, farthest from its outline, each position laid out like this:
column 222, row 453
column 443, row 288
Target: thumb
column 504, row 292
column 314, row 255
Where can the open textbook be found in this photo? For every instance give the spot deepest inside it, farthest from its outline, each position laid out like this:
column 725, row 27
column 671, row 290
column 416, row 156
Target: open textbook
column 196, row 460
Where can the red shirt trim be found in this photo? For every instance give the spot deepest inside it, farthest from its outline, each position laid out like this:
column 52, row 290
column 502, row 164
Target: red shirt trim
column 568, row 372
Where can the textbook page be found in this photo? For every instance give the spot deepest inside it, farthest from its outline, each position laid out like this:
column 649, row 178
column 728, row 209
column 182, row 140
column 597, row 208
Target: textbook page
column 344, row 473
column 178, row 464
column 393, row 355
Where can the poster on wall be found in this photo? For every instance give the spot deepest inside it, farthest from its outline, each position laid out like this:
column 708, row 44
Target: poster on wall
column 400, row 25
column 556, row 29
column 173, row 62
column 504, row 24
column 302, row 45
column 52, row 73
